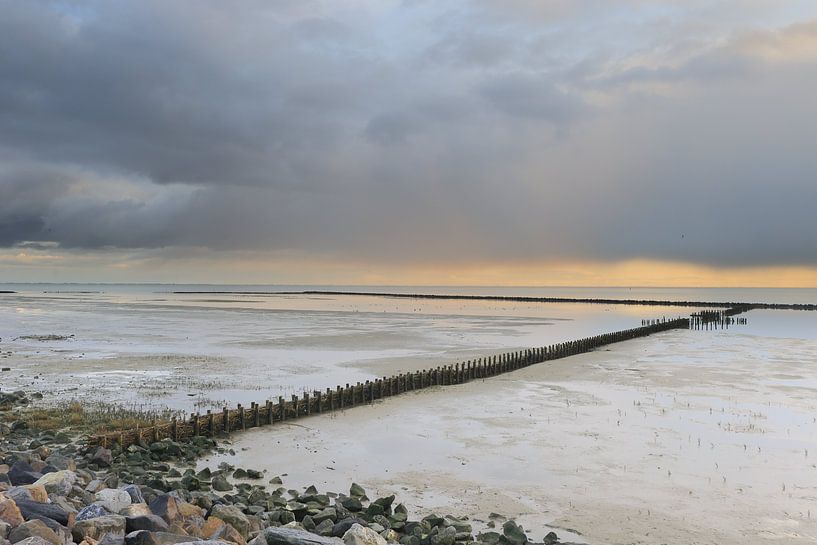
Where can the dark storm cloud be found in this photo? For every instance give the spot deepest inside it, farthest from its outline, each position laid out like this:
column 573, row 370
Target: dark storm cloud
column 423, row 132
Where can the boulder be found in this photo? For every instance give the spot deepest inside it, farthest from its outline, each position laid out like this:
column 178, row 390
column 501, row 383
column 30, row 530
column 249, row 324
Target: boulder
column 293, row 536
column 34, row 528
column 340, row 528
column 58, row 482
column 114, row 500
column 165, row 506
column 234, row 517
column 221, row 484
column 91, row 512
column 97, row 527
column 145, row 537
column 356, row 490
column 102, row 457
column 22, row 473
column 136, row 510
column 151, row 523
column 135, row 493
column 33, row 540
column 36, row 510
column 216, row 528
column 360, row 535
column 514, row 533
column 61, row 462
column 109, row 539
column 5, row 528
column 10, row 513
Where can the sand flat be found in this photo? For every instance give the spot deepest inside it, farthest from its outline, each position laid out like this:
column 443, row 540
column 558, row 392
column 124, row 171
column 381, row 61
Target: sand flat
column 684, row 437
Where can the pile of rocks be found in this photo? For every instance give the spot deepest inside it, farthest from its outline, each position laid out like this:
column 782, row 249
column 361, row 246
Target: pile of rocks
column 53, row 492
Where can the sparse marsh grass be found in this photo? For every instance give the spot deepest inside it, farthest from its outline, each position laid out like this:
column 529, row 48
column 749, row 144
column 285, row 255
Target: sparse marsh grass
column 91, row 417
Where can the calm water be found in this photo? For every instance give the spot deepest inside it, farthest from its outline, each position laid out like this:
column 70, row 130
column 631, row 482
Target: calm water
column 743, row 295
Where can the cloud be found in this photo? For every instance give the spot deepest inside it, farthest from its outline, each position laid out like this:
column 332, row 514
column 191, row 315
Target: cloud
column 422, row 132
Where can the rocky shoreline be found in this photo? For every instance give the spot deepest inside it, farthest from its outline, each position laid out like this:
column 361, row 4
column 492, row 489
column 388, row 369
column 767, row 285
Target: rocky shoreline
column 56, row 490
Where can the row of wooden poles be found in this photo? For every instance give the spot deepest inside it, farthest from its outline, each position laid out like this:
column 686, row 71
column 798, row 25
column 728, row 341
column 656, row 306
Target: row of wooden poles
column 717, row 319
column 343, row 397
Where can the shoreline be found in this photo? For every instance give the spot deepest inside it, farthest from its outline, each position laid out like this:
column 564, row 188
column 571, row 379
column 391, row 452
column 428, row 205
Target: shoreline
column 56, row 490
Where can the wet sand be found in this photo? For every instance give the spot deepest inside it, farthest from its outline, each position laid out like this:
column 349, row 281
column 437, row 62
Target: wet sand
column 194, row 352
column 684, row 437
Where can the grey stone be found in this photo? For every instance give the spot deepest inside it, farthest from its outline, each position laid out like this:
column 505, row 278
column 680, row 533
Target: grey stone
column 145, row 537
column 360, row 535
column 22, row 473
column 221, row 484
column 33, row 540
column 91, row 512
column 34, row 528
column 135, row 493
column 343, row 526
column 113, row 499
column 35, row 510
column 293, row 536
column 514, row 533
column 102, row 457
column 97, row 527
column 152, row 523
column 234, row 517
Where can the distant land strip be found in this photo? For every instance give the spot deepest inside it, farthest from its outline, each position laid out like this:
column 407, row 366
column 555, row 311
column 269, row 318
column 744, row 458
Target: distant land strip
column 524, row 299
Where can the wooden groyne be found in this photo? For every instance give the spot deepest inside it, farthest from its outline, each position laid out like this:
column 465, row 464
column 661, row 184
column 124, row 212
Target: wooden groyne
column 343, row 397
column 526, row 299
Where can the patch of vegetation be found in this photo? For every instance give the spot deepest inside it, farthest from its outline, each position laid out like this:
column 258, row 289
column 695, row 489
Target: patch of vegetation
column 90, row 417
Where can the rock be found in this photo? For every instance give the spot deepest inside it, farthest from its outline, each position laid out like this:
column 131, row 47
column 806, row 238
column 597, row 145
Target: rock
column 165, row 506
column 356, row 490
column 22, row 473
column 328, row 513
column 91, row 512
column 61, row 462
column 35, row 510
column 234, row 517
column 102, row 457
column 114, row 500
column 360, row 535
column 97, row 527
column 37, row 493
column 489, row 538
column 33, row 540
column 34, row 528
column 110, row 539
column 144, row 537
column 5, row 528
column 10, row 513
column 227, row 533
column 135, row 493
column 551, row 538
column 292, row 536
column 151, row 523
column 324, row 528
column 221, row 484
column 343, row 526
column 445, row 536
column 514, row 533
column 352, row 504
column 58, row 482
column 136, row 510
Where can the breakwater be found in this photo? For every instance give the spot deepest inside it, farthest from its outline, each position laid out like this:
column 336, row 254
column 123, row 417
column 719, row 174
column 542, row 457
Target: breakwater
column 342, row 397
column 525, row 299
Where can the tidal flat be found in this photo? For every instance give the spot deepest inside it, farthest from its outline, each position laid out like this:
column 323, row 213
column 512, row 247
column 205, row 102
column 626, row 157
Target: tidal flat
column 685, row 436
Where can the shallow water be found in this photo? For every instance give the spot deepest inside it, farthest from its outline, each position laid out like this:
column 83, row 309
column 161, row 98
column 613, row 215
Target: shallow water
column 193, row 352
column 683, row 437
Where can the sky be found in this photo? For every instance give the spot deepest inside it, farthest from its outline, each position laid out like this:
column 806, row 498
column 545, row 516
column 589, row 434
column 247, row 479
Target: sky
column 513, row 142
